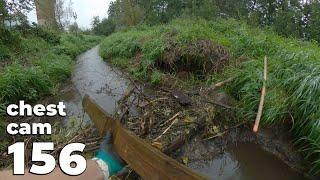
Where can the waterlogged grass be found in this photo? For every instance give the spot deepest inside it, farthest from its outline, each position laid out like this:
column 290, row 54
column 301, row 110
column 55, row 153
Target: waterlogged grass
column 293, row 88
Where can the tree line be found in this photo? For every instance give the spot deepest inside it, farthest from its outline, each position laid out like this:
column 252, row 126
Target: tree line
column 296, row 18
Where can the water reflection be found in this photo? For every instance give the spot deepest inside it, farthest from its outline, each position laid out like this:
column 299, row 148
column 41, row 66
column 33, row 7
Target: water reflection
column 248, row 162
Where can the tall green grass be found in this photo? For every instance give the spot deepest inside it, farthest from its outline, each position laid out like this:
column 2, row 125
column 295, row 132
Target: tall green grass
column 39, row 65
column 33, row 62
column 72, row 45
column 293, row 95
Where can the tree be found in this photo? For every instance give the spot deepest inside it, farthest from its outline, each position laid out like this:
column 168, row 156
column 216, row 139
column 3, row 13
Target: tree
column 105, row 27
column 132, row 13
column 18, row 6
column 46, row 13
column 74, row 28
column 3, row 12
column 297, row 18
column 95, row 21
column 125, row 12
column 65, row 14
column 312, row 16
column 9, row 9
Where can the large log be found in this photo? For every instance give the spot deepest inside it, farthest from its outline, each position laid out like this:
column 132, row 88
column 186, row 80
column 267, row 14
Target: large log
column 146, row 160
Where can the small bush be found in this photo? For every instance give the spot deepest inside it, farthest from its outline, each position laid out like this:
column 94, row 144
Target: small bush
column 57, row 67
column 5, row 52
column 50, row 36
column 120, row 62
column 17, row 83
column 32, row 46
column 73, row 45
column 156, row 77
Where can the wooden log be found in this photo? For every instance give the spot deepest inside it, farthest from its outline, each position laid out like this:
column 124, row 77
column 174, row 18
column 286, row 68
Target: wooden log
column 146, row 160
column 178, row 142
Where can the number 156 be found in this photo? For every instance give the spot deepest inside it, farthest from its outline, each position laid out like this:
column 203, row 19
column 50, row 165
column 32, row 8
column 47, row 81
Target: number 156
column 65, row 158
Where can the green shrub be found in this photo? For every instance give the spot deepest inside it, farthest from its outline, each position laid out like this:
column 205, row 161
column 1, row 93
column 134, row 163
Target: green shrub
column 32, row 46
column 125, row 46
column 18, row 82
column 43, row 64
column 156, row 77
column 120, row 62
column 4, row 52
column 73, row 45
column 50, row 36
column 57, row 67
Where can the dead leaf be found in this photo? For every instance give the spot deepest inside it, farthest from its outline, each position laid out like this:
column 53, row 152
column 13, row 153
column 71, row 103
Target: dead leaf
column 188, row 120
column 185, row 160
column 157, row 145
column 215, row 129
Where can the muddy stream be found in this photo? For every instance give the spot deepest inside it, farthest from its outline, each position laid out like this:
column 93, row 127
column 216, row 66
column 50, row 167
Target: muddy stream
column 106, row 86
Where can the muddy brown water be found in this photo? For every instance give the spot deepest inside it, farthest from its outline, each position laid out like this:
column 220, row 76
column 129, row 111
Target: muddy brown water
column 94, row 77
column 247, row 161
column 106, row 86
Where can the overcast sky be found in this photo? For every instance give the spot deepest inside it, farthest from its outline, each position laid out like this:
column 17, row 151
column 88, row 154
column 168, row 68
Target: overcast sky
column 85, row 10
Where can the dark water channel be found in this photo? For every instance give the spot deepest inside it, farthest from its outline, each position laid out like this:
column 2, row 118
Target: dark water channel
column 106, row 86
column 93, row 76
column 248, row 161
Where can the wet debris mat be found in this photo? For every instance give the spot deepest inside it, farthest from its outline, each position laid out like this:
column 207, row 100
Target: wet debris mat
column 170, row 117
column 181, row 121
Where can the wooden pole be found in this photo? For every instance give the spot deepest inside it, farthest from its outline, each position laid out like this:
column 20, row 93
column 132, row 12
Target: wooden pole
column 263, row 94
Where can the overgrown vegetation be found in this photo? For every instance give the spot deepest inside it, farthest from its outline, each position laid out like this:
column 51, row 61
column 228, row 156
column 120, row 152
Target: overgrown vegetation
column 293, row 92
column 290, row 18
column 35, row 60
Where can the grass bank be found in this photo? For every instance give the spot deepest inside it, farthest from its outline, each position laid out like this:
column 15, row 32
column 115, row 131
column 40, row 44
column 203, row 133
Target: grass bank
column 34, row 61
column 212, row 51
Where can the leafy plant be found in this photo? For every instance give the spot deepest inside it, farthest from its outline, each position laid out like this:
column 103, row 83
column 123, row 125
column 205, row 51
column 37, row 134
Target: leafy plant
column 156, row 77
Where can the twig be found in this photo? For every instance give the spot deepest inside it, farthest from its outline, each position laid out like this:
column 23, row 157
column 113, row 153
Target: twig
column 71, row 140
column 218, row 104
column 165, row 131
column 127, row 94
column 226, row 131
column 263, row 94
column 221, row 84
column 122, row 115
column 156, row 100
column 215, row 136
column 171, row 119
column 91, row 149
column 179, row 141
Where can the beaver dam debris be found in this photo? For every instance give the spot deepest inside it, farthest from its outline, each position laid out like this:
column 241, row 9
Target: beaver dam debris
column 170, row 117
column 173, row 120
